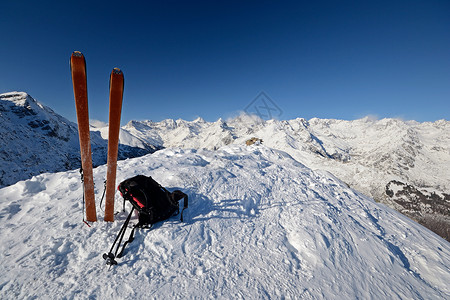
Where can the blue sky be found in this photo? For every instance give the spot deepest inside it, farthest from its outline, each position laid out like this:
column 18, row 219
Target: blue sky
column 184, row 59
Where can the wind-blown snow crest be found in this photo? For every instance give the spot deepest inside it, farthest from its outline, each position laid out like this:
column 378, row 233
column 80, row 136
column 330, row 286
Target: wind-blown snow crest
column 259, row 225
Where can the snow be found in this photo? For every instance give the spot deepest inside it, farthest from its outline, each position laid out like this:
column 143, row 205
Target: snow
column 259, row 225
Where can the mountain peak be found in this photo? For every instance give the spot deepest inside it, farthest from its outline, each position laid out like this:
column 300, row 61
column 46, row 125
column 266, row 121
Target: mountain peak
column 14, row 96
column 199, row 120
column 20, row 103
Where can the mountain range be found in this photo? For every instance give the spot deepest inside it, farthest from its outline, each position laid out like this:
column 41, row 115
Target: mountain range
column 403, row 164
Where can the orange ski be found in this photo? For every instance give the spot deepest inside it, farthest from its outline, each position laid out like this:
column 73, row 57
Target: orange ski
column 78, row 69
column 115, row 109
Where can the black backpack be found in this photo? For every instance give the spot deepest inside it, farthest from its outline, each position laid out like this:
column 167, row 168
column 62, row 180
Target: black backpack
column 152, row 201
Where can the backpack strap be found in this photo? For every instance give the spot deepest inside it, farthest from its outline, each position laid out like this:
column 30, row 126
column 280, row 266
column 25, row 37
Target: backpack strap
column 130, row 239
column 176, row 196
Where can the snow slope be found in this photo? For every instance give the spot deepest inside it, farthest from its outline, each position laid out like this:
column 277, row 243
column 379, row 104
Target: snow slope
column 260, row 225
column 33, row 139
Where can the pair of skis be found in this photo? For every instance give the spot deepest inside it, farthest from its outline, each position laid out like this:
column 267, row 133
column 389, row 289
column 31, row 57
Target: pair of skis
column 78, row 69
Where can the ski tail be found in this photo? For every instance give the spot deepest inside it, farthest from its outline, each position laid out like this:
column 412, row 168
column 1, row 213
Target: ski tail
column 116, row 85
column 78, row 70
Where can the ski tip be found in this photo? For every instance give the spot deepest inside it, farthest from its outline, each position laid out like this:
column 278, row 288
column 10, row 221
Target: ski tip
column 77, row 59
column 77, row 54
column 117, row 71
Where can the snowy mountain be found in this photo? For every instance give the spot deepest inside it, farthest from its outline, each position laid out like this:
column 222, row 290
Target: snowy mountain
column 404, row 164
column 369, row 155
column 34, row 139
column 260, row 225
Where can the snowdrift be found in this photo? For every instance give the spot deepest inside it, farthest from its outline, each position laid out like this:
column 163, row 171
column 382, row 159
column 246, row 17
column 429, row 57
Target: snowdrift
column 260, row 225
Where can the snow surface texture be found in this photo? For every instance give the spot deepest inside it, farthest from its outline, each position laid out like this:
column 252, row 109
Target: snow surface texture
column 260, row 225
